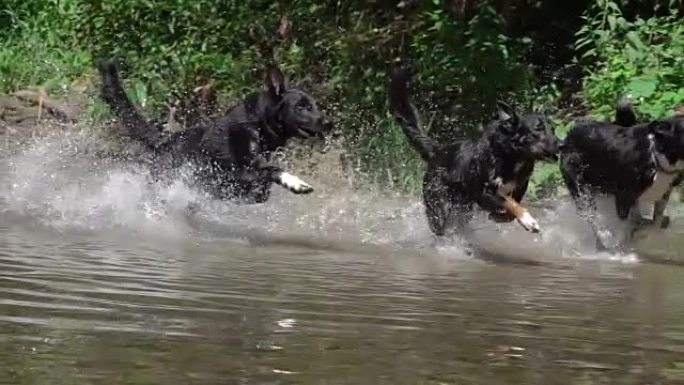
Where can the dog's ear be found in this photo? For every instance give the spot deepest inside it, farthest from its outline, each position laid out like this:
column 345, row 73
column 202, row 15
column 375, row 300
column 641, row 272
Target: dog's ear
column 275, row 82
column 507, row 113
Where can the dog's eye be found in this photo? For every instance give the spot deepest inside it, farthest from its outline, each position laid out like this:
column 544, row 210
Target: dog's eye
column 303, row 105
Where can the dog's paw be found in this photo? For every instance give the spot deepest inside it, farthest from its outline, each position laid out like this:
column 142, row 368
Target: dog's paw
column 294, row 184
column 529, row 223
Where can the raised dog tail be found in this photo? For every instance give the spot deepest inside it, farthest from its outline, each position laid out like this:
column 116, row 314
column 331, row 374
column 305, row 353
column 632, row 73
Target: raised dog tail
column 407, row 114
column 624, row 114
column 134, row 124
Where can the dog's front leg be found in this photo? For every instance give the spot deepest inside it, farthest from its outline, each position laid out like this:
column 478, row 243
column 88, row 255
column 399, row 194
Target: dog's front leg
column 283, row 178
column 494, row 202
column 291, row 182
column 521, row 214
column 660, row 215
column 661, row 205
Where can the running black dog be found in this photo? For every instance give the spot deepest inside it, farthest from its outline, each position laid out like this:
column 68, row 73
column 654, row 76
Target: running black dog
column 231, row 153
column 492, row 172
column 637, row 164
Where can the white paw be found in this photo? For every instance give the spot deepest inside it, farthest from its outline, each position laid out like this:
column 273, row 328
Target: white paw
column 294, row 184
column 529, row 223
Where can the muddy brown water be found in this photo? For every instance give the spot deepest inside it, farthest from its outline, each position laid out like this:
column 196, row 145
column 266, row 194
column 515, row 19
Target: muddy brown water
column 105, row 280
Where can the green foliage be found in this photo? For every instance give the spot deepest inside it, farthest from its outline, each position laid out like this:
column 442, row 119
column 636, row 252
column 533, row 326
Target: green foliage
column 464, row 60
column 472, row 60
column 176, row 45
column 639, row 59
column 38, row 44
column 389, row 153
column 343, row 60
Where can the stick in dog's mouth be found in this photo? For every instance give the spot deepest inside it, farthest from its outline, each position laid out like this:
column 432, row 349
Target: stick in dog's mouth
column 521, row 214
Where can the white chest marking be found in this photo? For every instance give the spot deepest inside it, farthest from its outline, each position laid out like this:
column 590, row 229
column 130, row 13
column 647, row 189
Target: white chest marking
column 505, row 189
column 662, row 183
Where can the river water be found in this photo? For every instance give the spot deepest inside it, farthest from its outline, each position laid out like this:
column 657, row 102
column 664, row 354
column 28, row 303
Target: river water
column 105, row 279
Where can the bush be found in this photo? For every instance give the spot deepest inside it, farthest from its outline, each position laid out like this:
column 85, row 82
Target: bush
column 464, row 55
column 639, row 59
column 464, row 63
column 39, row 45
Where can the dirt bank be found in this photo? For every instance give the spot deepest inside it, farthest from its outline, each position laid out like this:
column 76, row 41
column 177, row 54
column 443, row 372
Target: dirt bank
column 32, row 112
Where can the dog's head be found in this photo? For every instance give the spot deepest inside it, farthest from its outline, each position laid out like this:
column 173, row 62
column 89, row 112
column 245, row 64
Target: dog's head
column 530, row 136
column 297, row 110
column 668, row 135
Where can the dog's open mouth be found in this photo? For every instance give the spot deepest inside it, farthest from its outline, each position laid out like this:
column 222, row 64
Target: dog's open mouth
column 306, row 134
column 302, row 133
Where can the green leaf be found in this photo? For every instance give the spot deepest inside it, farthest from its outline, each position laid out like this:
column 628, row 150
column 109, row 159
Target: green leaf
column 632, row 54
column 633, row 38
column 643, row 86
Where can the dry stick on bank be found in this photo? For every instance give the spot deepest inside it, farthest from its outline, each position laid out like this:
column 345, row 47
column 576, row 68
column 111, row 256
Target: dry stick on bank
column 41, row 99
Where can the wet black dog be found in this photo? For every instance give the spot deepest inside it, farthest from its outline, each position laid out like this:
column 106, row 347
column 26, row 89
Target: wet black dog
column 231, row 153
column 492, row 172
column 637, row 164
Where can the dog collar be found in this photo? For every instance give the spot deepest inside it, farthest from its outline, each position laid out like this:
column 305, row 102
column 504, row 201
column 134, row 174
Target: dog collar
column 662, row 164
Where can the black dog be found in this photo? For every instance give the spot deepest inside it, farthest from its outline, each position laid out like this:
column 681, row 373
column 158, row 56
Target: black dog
column 230, row 153
column 492, row 172
column 638, row 164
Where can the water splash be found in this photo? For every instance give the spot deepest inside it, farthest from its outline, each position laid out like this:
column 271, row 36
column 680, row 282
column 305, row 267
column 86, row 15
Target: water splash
column 59, row 181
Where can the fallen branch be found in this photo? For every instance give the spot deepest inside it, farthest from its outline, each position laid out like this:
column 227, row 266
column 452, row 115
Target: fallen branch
column 55, row 108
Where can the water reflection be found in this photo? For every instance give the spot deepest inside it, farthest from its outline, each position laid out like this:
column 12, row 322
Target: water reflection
column 114, row 308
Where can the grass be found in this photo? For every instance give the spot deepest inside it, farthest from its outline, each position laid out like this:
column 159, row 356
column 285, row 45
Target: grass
column 44, row 51
column 383, row 155
column 30, row 56
column 387, row 157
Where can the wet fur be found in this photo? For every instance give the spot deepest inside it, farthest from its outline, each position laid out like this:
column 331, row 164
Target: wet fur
column 231, row 153
column 616, row 159
column 463, row 174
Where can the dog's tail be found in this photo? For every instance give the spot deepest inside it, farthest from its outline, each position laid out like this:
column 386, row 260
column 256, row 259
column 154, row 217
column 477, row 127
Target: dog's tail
column 624, row 114
column 407, row 114
column 134, row 124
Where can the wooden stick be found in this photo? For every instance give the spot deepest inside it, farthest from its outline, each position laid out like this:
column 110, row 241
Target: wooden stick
column 42, row 95
column 60, row 111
